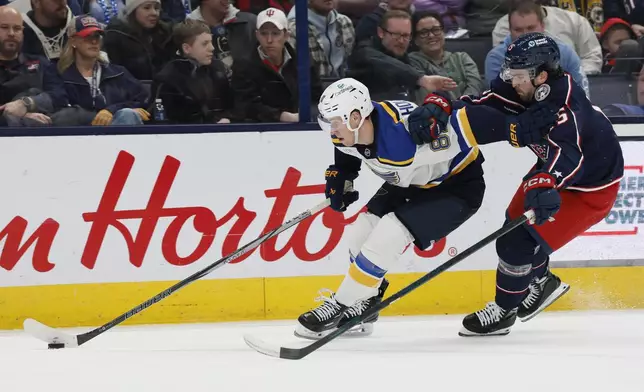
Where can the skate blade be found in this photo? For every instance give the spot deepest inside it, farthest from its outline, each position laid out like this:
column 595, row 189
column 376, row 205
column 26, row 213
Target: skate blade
column 468, row 334
column 561, row 290
column 361, row 330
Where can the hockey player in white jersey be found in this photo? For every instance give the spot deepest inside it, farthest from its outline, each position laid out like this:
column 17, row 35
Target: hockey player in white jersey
column 432, row 184
column 429, row 191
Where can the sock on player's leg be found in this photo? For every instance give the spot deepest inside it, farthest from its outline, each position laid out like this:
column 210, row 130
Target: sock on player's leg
column 378, row 254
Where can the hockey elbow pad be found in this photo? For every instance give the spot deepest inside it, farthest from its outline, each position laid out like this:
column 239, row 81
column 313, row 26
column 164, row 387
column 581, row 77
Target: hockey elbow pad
column 339, row 187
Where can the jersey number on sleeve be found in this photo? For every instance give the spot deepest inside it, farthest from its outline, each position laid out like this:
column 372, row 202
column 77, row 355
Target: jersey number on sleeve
column 441, row 142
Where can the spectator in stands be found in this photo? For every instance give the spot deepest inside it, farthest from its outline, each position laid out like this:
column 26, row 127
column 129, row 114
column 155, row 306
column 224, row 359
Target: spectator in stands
column 631, row 11
column 138, row 40
column 451, row 12
column 367, row 28
column 383, row 64
column 105, row 11
column 624, row 109
column 266, row 84
column 481, row 16
column 622, row 53
column 233, row 31
column 21, row 76
column 435, row 60
column 590, row 9
column 331, row 37
column 527, row 17
column 175, row 11
column 194, row 89
column 568, row 27
column 45, row 28
column 257, row 6
column 75, row 6
column 89, row 90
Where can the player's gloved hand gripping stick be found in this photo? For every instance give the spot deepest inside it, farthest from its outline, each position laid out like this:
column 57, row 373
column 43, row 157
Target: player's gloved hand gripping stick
column 541, row 195
column 59, row 339
column 339, row 188
column 299, row 353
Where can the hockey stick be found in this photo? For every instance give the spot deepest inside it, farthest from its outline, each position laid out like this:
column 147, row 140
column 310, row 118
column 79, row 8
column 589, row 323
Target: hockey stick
column 299, row 353
column 58, row 339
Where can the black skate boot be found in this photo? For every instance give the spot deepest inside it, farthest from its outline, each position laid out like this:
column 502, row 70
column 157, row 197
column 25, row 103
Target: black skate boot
column 542, row 293
column 322, row 320
column 491, row 320
column 365, row 328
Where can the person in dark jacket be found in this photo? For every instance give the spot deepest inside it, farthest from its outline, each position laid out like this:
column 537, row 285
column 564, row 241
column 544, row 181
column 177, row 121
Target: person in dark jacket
column 233, row 31
column 266, row 84
column 383, row 64
column 46, row 28
column 138, row 40
column 194, row 88
column 22, row 101
column 99, row 93
column 367, row 28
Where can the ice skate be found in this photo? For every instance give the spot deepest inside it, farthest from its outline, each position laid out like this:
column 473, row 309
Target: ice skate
column 542, row 293
column 366, row 327
column 322, row 320
column 489, row 321
column 327, row 317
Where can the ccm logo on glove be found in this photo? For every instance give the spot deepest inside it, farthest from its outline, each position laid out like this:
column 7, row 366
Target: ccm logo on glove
column 541, row 180
column 439, row 101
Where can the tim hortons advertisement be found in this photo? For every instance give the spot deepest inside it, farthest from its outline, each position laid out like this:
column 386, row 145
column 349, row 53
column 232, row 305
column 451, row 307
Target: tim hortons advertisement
column 160, row 207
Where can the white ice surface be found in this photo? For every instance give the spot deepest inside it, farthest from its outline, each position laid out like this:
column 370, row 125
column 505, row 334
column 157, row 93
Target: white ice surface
column 571, row 352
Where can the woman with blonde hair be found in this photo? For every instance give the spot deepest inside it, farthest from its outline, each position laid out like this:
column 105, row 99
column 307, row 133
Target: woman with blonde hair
column 100, row 93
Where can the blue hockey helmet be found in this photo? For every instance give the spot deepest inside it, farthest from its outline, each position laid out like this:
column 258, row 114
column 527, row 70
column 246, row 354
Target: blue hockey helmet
column 535, row 52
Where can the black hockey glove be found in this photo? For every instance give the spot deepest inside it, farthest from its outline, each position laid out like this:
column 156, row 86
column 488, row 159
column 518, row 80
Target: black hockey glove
column 533, row 125
column 339, row 188
column 427, row 122
column 541, row 196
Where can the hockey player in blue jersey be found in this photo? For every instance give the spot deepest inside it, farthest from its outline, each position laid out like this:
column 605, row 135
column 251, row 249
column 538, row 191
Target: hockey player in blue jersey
column 429, row 190
column 572, row 186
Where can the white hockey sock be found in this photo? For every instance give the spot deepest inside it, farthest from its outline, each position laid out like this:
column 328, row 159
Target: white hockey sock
column 379, row 253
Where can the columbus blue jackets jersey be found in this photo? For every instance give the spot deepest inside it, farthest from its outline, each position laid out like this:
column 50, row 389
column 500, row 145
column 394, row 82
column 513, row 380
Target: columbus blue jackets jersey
column 398, row 160
column 581, row 151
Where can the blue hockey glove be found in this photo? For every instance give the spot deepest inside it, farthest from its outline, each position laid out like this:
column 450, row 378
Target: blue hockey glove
column 428, row 121
column 339, row 188
column 541, row 196
column 531, row 126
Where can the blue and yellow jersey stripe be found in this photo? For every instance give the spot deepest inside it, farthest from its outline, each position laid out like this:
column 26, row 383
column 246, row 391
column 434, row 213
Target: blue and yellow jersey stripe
column 466, row 141
column 395, row 146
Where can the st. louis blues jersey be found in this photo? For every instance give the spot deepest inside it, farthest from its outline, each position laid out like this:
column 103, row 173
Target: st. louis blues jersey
column 581, row 151
column 395, row 157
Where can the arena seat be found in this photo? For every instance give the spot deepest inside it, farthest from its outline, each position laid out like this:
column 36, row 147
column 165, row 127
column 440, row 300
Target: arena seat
column 477, row 48
column 606, row 89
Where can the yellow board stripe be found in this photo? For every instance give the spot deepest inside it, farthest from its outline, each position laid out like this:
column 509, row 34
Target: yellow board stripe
column 90, row 305
column 362, row 277
column 466, row 129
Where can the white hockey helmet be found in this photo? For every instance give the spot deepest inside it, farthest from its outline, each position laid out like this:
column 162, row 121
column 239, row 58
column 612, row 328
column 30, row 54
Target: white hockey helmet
column 342, row 98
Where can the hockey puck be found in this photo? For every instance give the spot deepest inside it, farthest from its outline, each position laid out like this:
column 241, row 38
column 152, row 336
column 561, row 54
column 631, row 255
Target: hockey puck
column 56, row 345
